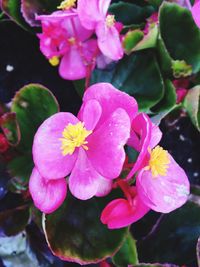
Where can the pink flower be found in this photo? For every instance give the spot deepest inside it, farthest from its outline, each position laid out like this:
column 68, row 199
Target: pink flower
column 181, row 89
column 123, row 212
column 93, row 16
column 161, row 183
column 90, row 147
column 64, row 38
column 196, row 12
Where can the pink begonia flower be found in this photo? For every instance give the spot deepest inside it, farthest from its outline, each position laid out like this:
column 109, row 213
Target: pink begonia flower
column 93, row 16
column 47, row 195
column 123, row 212
column 64, row 39
column 90, row 147
column 151, row 22
column 181, row 86
column 196, row 12
column 161, row 184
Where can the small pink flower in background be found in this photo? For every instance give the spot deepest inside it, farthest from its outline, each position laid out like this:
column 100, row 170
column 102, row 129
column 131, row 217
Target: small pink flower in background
column 93, row 16
column 90, row 147
column 151, row 22
column 64, row 40
column 196, row 12
column 181, row 86
column 123, row 212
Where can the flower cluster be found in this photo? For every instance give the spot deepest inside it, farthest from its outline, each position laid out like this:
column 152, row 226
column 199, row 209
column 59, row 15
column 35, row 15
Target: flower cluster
column 90, row 151
column 77, row 38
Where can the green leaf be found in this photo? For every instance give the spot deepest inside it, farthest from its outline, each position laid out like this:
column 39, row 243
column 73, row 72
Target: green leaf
column 127, row 253
column 31, row 7
column 164, row 59
column 32, row 104
column 13, row 221
column 176, row 231
column 169, row 100
column 75, row 233
column 129, row 13
column 131, row 39
column 138, row 75
column 181, row 44
column 192, row 105
column 181, row 69
column 10, row 127
column 13, row 9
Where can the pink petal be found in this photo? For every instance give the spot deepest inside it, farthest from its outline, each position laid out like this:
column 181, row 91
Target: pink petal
column 75, row 29
column 47, row 154
column 47, row 195
column 163, row 193
column 109, row 41
column 120, row 213
column 141, row 126
column 156, row 136
column 90, row 114
column 103, row 6
column 196, row 13
column 89, row 13
column 57, row 15
column 84, row 180
column 72, row 66
column 104, row 187
column 106, row 145
column 110, row 99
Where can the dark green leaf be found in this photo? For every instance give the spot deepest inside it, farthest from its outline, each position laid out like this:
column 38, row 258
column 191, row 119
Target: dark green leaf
column 129, row 13
column 177, row 231
column 127, row 253
column 181, row 44
column 13, row 9
column 32, row 105
column 192, row 105
column 14, row 221
column 75, row 233
column 137, row 75
column 32, row 7
column 10, row 127
column 169, row 100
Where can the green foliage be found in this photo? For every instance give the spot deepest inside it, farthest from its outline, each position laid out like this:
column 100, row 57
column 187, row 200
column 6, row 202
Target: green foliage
column 127, row 253
column 32, row 105
column 75, row 233
column 192, row 105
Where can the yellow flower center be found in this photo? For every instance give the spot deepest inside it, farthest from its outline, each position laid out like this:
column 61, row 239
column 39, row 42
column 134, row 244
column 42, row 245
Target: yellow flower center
column 73, row 136
column 66, row 4
column 110, row 21
column 72, row 40
column 54, row 61
column 158, row 163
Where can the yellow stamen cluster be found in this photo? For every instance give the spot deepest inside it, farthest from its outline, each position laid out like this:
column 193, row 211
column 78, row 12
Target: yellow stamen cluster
column 73, row 136
column 72, row 40
column 158, row 163
column 66, row 4
column 110, row 21
column 54, row 61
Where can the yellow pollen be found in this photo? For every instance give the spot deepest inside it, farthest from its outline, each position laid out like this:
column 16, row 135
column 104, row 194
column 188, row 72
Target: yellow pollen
column 74, row 135
column 54, row 61
column 72, row 40
column 158, row 163
column 110, row 21
column 66, row 4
